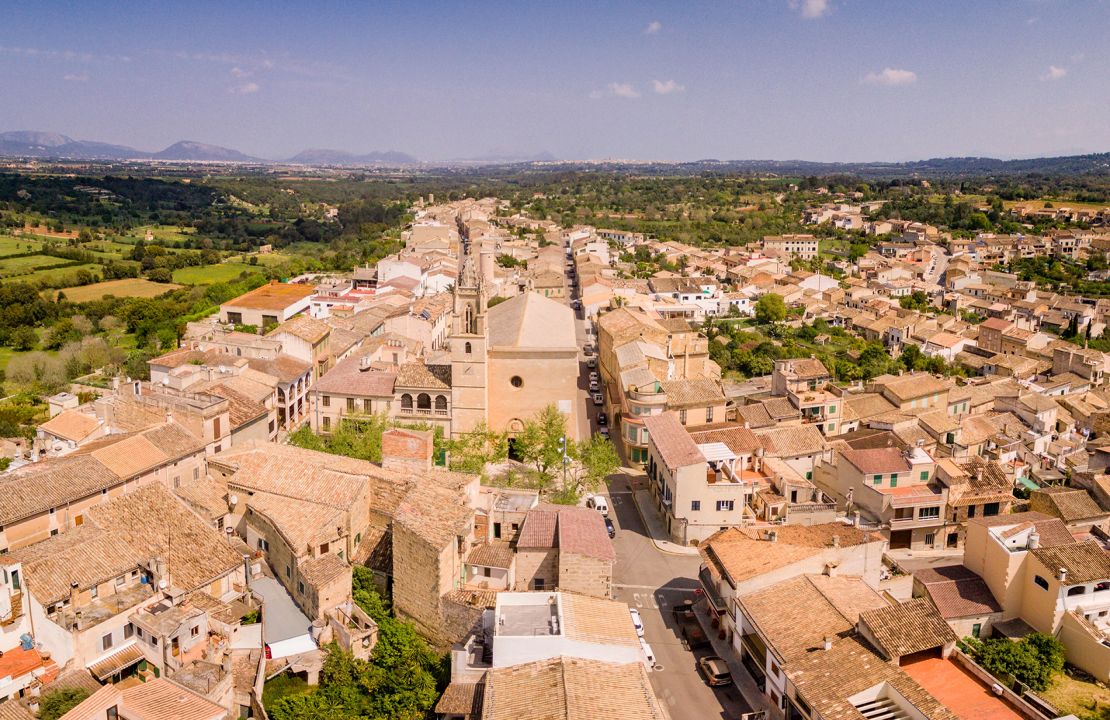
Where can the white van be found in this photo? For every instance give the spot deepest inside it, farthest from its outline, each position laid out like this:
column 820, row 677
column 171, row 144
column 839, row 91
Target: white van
column 649, row 656
column 599, row 503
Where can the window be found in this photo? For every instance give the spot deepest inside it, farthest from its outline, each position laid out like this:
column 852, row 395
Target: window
column 324, row 548
column 235, row 318
column 350, row 404
column 832, row 426
column 485, row 572
column 695, row 505
column 325, row 400
column 111, row 713
column 325, row 422
column 538, row 584
column 832, row 409
column 928, row 512
column 632, row 433
column 877, row 480
column 288, row 572
column 466, row 348
column 366, row 406
column 263, row 545
column 894, row 480
column 990, row 509
column 1040, row 582
column 976, row 629
column 724, row 505
column 128, row 630
column 406, row 402
column 709, row 415
column 216, row 427
column 106, row 642
column 94, row 591
column 930, row 539
column 682, row 416
column 300, row 587
column 121, row 580
column 196, row 473
column 924, row 475
column 516, row 381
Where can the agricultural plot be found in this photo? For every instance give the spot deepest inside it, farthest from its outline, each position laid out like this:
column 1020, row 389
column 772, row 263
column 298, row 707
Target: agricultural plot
column 10, row 245
column 209, row 274
column 129, row 287
column 13, row 266
column 65, row 275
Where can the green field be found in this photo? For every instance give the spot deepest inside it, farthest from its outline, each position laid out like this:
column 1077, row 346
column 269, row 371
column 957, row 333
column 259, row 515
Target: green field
column 14, row 246
column 163, row 233
column 20, row 265
column 129, row 287
column 208, row 274
column 266, row 260
column 57, row 273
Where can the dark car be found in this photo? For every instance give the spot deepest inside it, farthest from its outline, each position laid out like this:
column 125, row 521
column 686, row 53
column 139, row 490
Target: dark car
column 715, row 670
column 610, row 528
column 684, row 614
column 602, row 419
column 694, row 636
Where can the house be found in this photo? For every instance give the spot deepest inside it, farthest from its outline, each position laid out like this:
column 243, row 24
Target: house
column 1073, row 505
column 150, row 700
column 267, row 305
column 804, row 247
column 961, row 597
column 564, row 548
column 355, row 387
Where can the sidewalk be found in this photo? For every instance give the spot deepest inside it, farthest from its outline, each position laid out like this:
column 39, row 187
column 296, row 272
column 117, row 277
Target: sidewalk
column 741, row 678
column 654, row 525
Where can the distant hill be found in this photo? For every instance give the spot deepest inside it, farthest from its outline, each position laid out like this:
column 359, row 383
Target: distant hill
column 320, row 156
column 501, row 157
column 189, row 150
column 30, row 143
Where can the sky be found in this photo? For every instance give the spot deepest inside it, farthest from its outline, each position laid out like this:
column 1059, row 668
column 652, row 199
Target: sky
column 825, row 80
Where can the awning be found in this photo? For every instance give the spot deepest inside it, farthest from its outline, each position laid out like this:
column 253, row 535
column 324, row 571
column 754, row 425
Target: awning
column 121, row 659
column 1029, row 483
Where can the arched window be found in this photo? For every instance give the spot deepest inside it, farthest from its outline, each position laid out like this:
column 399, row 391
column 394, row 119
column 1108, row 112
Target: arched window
column 466, row 348
column 423, row 401
column 406, row 402
column 441, row 403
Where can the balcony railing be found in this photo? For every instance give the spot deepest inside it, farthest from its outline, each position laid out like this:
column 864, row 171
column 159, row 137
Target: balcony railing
column 914, row 522
column 424, row 411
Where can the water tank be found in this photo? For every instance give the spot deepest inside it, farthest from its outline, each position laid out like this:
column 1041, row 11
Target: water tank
column 26, row 642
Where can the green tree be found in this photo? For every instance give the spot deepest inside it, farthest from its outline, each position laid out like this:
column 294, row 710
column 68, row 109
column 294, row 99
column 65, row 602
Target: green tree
column 472, row 451
column 59, row 702
column 541, row 442
column 598, row 459
column 1033, row 660
column 770, row 309
column 23, row 339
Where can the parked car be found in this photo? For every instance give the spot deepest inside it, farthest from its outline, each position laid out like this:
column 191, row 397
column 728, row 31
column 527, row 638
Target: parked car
column 602, row 419
column 649, row 656
column 684, row 613
column 591, row 362
column 715, row 670
column 612, row 530
column 594, row 387
column 694, row 636
column 599, row 503
column 603, row 432
column 594, row 377
column 598, row 400
column 637, row 622
column 588, row 349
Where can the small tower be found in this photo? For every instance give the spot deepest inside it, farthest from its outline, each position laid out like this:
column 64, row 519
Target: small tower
column 469, row 339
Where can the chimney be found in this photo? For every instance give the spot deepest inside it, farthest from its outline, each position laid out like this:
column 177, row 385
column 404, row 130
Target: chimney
column 74, row 592
column 828, row 643
column 1062, row 575
column 979, row 474
column 407, row 450
column 1034, row 540
column 364, row 363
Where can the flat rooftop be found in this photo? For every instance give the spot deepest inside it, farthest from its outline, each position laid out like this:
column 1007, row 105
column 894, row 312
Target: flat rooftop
column 959, row 690
column 275, row 296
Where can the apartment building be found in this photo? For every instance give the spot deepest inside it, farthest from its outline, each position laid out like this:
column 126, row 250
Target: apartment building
column 267, row 305
column 804, row 247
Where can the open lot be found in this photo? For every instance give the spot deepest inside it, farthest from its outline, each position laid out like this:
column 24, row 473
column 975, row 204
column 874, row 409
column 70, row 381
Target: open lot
column 1085, row 700
column 208, row 274
column 10, row 245
column 128, row 287
column 20, row 265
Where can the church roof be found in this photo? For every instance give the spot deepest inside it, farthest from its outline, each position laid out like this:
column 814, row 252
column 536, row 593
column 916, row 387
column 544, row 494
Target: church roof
column 530, row 320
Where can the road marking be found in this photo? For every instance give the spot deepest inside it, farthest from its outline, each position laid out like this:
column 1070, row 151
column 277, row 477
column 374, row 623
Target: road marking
column 653, row 587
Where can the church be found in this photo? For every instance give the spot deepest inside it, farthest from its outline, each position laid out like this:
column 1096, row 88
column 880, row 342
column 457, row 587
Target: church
column 510, row 361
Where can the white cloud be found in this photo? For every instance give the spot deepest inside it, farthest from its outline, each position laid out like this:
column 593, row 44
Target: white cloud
column 76, row 77
column 891, row 77
column 240, row 72
column 245, row 89
column 1054, row 73
column 666, row 87
column 811, row 9
column 653, row 28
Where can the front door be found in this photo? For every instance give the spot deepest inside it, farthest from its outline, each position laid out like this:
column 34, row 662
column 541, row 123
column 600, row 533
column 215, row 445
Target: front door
column 901, row 539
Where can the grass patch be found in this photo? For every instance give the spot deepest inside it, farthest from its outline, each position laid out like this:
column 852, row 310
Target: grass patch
column 128, row 287
column 64, row 275
column 209, row 274
column 281, row 686
column 165, row 233
column 1082, row 698
column 16, row 245
column 265, row 260
column 18, row 265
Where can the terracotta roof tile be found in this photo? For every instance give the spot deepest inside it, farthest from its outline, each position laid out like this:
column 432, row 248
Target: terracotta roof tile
column 1085, row 562
column 672, row 441
column 907, row 628
column 71, row 425
column 957, row 591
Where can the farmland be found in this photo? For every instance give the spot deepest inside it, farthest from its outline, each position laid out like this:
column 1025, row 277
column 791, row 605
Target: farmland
column 17, row 245
column 208, row 274
column 129, row 287
column 24, row 265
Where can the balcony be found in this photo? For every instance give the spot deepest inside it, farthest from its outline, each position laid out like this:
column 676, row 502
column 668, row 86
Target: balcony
column 425, row 412
column 911, row 522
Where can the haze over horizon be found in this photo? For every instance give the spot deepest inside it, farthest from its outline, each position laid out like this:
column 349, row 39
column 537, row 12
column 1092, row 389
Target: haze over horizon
column 822, row 80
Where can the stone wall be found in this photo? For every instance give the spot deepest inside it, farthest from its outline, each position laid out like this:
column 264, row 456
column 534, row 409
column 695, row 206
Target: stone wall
column 535, row 563
column 585, row 575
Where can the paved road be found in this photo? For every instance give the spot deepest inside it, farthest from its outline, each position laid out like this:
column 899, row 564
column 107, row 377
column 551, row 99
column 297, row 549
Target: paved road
column 654, row 582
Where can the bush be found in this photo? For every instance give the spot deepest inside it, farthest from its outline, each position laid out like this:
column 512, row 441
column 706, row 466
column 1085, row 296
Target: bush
column 1033, row 660
column 59, row 702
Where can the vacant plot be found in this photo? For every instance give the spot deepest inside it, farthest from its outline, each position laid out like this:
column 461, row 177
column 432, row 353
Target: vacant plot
column 1084, row 699
column 209, row 274
column 129, row 287
column 15, row 245
column 20, row 265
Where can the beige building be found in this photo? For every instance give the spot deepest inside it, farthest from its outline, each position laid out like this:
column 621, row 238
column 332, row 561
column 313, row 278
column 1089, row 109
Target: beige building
column 804, row 247
column 268, row 305
column 564, row 548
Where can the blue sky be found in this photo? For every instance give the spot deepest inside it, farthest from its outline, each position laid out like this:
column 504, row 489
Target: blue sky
column 850, row 80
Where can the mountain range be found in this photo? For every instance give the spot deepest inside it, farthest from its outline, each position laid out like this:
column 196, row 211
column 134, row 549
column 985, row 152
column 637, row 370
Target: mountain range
column 36, row 144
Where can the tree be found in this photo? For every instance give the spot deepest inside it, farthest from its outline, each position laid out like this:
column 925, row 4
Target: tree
column 541, row 442
column 598, row 459
column 472, row 451
column 770, row 309
column 1033, row 660
column 23, row 339
column 59, row 702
